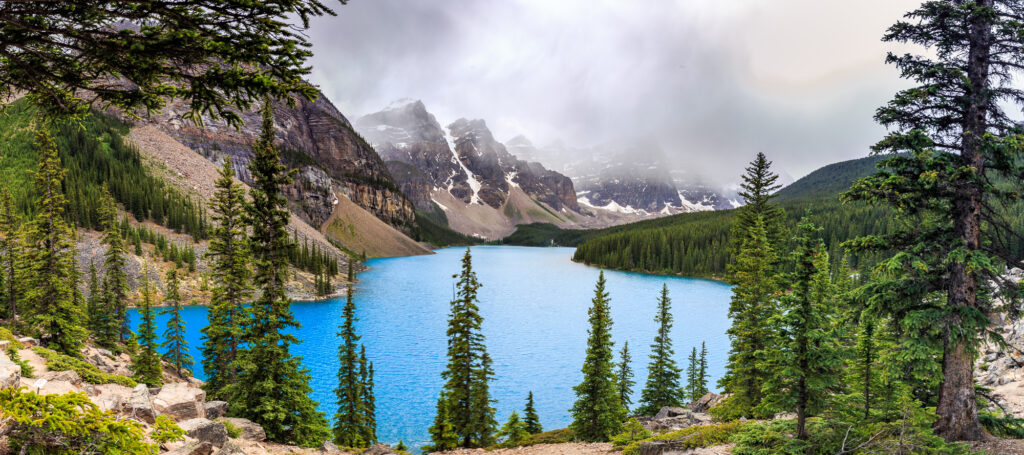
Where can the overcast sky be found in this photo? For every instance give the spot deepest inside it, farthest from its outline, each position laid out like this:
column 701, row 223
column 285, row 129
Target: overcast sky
column 715, row 81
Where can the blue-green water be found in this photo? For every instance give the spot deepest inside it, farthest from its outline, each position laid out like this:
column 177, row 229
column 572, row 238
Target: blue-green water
column 534, row 302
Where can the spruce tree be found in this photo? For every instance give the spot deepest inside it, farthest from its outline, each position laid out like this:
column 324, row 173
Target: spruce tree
column 174, row 345
column 624, row 375
column 115, row 279
column 272, row 387
column 663, row 386
column 514, row 431
column 442, row 432
column 530, row 417
column 702, row 372
column 754, row 302
column 468, row 371
column 48, row 260
column 229, row 265
column 368, row 428
column 598, row 414
column 757, row 190
column 9, row 253
column 692, row 370
column 803, row 363
column 950, row 143
column 146, row 366
column 349, row 419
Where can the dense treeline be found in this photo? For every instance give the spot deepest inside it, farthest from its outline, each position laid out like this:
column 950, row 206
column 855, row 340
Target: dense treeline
column 93, row 153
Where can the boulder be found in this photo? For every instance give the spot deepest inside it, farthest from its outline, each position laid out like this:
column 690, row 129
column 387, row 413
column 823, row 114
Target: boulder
column 66, row 376
column 180, row 401
column 193, row 448
column 231, row 448
column 28, row 342
column 672, row 418
column 706, row 402
column 379, row 449
column 205, row 430
column 669, row 411
column 140, row 405
column 215, row 409
column 109, row 397
column 44, row 387
column 10, row 372
column 329, row 447
column 250, row 430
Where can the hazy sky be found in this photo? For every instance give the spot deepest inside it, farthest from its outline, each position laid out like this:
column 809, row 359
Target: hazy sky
column 715, row 81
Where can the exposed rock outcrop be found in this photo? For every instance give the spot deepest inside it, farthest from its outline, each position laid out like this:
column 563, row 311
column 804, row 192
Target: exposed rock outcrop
column 205, row 430
column 180, row 400
column 249, row 429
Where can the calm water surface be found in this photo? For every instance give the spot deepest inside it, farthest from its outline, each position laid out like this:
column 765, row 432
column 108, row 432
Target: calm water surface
column 534, row 302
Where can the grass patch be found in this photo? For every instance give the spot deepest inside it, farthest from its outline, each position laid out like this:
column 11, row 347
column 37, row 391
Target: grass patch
column 233, row 431
column 6, row 335
column 26, row 369
column 694, row 437
column 87, row 371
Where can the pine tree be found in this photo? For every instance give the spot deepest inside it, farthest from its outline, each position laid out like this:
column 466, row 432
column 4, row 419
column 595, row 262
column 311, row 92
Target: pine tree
column 702, row 373
column 598, row 414
column 272, row 387
column 662, row 387
column 174, row 345
column 530, row 416
column 468, row 371
column 753, row 304
column 803, row 364
column 115, row 279
column 368, row 428
column 514, row 430
column 692, row 370
column 146, row 366
column 48, row 260
column 231, row 276
column 757, row 190
column 442, row 432
column 9, row 253
column 350, row 416
column 624, row 376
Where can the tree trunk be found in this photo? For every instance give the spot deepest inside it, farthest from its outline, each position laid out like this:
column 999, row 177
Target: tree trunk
column 958, row 412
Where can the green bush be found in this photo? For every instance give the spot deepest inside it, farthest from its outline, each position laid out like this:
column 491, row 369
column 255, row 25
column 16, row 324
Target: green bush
column 830, row 436
column 548, row 437
column 232, row 430
column 89, row 373
column 26, row 369
column 68, row 423
column 167, row 431
column 693, row 437
column 632, row 432
column 6, row 335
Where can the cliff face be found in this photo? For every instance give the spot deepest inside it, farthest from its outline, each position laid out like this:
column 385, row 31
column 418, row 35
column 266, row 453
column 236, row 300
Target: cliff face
column 316, row 139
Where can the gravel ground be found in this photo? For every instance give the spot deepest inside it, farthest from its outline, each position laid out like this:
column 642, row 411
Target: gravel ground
column 569, row 448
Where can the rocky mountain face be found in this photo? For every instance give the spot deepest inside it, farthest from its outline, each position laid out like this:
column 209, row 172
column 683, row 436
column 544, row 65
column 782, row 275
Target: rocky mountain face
column 462, row 159
column 316, row 139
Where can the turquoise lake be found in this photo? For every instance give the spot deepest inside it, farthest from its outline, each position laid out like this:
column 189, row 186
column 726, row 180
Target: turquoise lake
column 534, row 302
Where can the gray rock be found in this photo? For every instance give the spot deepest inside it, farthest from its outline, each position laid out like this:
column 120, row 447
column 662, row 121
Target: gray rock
column 250, row 430
column 379, row 449
column 329, row 447
column 193, row 448
column 205, row 430
column 215, row 409
column 140, row 405
column 10, row 373
column 231, row 448
column 67, row 376
column 669, row 411
column 180, row 401
column 28, row 341
column 706, row 402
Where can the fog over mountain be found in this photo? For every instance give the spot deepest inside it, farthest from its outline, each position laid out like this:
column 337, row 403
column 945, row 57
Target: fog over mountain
column 585, row 73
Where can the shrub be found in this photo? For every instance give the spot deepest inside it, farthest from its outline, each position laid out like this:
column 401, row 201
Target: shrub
column 88, row 372
column 632, row 432
column 232, row 430
column 6, row 335
column 694, row 437
column 912, row 435
column 68, row 423
column 167, row 431
column 26, row 369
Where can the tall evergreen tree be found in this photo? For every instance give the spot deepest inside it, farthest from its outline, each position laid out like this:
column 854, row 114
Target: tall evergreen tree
column 514, row 430
column 803, row 364
column 272, row 387
column 624, row 376
column 702, row 372
column 146, row 366
column 754, row 302
column 442, row 432
column 369, row 401
column 468, row 371
column 757, row 190
column 174, row 345
column 349, row 419
column 530, row 417
column 692, row 370
column 950, row 146
column 48, row 260
column 598, row 414
column 231, row 276
column 115, row 279
column 663, row 386
column 9, row 253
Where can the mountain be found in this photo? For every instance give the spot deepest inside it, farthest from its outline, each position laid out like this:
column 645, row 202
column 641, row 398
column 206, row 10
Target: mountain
column 459, row 175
